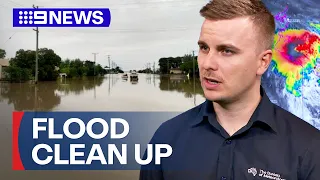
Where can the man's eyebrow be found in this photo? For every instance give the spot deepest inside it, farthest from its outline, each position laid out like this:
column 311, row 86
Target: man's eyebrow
column 221, row 46
column 228, row 46
column 200, row 42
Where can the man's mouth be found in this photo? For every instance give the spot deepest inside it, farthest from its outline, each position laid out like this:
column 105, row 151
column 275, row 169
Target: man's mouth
column 212, row 81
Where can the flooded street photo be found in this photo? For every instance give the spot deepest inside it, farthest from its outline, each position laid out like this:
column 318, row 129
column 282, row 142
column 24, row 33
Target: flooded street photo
column 151, row 92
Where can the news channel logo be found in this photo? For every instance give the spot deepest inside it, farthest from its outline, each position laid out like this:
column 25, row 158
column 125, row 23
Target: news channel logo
column 61, row 17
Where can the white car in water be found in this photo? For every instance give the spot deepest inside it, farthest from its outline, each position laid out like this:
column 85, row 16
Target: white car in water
column 134, row 76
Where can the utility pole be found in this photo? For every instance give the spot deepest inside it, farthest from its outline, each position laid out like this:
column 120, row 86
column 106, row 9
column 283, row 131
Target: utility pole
column 194, row 82
column 109, row 74
column 193, row 63
column 148, row 68
column 94, row 65
column 94, row 85
column 109, row 63
column 37, row 49
column 168, row 66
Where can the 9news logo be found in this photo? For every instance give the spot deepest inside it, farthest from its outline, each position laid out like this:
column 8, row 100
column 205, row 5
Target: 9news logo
column 61, row 17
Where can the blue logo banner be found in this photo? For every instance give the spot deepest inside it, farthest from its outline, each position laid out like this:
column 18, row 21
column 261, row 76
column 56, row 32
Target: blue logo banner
column 61, row 17
column 86, row 140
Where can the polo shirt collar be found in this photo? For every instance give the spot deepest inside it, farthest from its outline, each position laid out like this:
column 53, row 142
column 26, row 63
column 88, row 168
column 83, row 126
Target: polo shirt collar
column 263, row 113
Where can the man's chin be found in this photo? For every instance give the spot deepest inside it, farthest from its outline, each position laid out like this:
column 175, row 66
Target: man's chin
column 213, row 96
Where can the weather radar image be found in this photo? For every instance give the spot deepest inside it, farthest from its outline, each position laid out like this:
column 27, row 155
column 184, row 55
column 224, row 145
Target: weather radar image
column 293, row 78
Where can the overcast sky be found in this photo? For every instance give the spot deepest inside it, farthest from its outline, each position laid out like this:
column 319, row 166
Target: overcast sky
column 141, row 31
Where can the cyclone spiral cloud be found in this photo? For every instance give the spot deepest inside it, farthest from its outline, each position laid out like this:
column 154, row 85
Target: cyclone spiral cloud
column 317, row 26
column 295, row 56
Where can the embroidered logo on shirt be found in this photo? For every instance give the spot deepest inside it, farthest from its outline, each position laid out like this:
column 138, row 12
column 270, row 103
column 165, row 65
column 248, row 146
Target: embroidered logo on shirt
column 265, row 174
column 252, row 171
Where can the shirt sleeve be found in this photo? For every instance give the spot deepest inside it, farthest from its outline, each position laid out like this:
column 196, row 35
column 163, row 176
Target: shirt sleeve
column 310, row 166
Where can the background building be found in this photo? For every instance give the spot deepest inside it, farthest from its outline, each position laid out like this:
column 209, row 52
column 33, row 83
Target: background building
column 3, row 64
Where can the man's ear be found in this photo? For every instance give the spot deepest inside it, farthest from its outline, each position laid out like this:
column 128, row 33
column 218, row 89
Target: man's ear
column 264, row 62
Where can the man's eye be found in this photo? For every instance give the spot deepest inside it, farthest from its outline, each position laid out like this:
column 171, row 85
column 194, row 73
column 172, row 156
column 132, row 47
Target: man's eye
column 228, row 52
column 205, row 48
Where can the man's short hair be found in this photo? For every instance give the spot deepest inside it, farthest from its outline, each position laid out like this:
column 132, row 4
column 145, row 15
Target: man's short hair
column 261, row 17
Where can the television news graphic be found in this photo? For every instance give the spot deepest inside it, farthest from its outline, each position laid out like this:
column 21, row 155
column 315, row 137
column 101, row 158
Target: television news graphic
column 87, row 140
column 61, row 17
column 317, row 70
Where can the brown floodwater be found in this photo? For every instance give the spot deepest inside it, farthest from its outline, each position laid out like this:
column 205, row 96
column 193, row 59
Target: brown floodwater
column 109, row 93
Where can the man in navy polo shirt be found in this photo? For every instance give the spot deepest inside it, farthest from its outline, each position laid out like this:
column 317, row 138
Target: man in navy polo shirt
column 237, row 133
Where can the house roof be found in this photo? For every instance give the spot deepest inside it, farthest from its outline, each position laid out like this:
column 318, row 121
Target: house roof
column 4, row 62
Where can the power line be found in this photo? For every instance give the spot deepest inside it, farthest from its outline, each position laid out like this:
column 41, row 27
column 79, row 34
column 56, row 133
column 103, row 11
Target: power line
column 194, row 83
column 9, row 39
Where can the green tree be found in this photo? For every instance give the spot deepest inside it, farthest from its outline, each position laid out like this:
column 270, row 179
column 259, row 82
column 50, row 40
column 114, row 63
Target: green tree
column 17, row 74
column 187, row 65
column 65, row 67
column 184, row 63
column 77, row 68
column 89, row 67
column 118, row 69
column 100, row 70
column 24, row 59
column 47, row 63
column 164, row 65
column 2, row 53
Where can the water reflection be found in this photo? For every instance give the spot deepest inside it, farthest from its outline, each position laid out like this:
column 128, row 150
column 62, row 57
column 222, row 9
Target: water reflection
column 78, row 86
column 134, row 82
column 180, row 83
column 29, row 97
column 44, row 96
column 105, row 93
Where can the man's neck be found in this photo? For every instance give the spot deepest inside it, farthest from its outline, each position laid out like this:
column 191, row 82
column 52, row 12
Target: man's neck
column 233, row 116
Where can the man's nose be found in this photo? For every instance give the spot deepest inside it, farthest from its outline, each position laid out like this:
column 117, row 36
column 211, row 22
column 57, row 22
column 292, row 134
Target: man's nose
column 210, row 62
